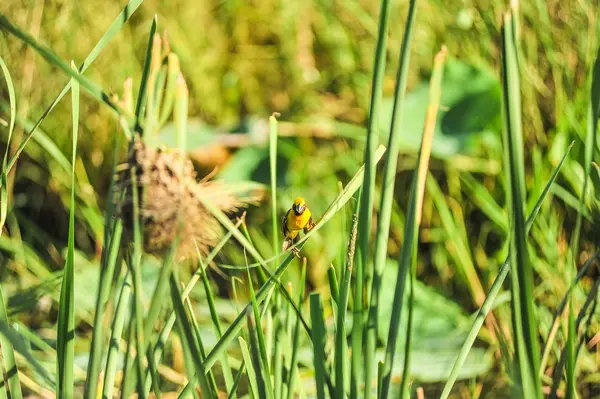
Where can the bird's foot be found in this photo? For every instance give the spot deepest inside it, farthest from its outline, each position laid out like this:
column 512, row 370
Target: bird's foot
column 296, row 252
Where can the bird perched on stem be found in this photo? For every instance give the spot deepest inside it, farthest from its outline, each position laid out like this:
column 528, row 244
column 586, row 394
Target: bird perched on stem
column 296, row 219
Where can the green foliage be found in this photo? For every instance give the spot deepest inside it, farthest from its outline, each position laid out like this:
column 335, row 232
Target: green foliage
column 457, row 225
column 65, row 333
column 469, row 121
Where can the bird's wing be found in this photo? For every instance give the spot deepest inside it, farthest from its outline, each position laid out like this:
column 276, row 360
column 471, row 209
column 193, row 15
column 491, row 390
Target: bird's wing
column 309, row 225
column 284, row 228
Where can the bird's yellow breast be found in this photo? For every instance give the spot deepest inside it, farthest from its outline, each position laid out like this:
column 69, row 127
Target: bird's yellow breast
column 298, row 222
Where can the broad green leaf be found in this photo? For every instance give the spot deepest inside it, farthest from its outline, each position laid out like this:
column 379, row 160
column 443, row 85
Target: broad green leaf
column 469, row 114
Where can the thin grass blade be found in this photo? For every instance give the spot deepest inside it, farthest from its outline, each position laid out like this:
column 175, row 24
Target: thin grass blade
column 66, row 317
column 198, row 335
column 387, row 196
column 252, row 379
column 364, row 269
column 523, row 317
column 340, row 358
column 296, row 338
column 110, row 251
column 10, row 365
column 115, row 339
column 188, row 339
column 8, row 353
column 258, row 347
column 142, row 92
column 319, row 337
column 411, row 228
column 227, row 373
column 11, row 126
column 273, row 167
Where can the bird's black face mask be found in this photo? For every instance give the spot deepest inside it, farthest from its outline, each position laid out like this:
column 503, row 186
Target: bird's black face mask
column 299, row 209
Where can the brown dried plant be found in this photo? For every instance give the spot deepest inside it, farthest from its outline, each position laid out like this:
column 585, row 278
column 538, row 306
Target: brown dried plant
column 169, row 201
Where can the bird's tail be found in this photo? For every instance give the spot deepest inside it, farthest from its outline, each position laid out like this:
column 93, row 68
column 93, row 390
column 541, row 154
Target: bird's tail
column 287, row 243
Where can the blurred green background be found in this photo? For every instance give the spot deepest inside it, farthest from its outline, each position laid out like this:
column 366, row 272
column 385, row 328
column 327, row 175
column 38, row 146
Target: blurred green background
column 311, row 61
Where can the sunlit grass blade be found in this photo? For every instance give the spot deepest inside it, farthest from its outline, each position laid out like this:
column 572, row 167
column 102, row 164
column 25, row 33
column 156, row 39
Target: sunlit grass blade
column 319, row 338
column 7, row 347
column 411, row 228
column 252, row 379
column 380, row 369
column 187, row 338
column 142, row 92
column 3, row 392
column 364, row 269
column 261, row 374
column 257, row 340
column 115, row 338
column 495, row 288
column 114, row 28
column 333, row 284
column 65, row 335
column 173, row 70
column 198, row 335
column 180, row 113
column 237, row 379
column 130, row 344
column 278, row 350
column 340, row 360
column 276, row 331
column 227, row 374
column 110, row 250
column 8, row 354
column 11, row 126
column 135, row 262
column 387, row 197
column 523, row 318
column 293, row 368
column 273, row 168
column 152, row 86
column 159, row 296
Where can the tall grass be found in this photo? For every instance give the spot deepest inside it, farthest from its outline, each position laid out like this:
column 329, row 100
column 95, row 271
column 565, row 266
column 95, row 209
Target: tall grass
column 387, row 197
column 65, row 333
column 8, row 354
column 271, row 328
column 593, row 113
column 523, row 318
column 407, row 258
column 364, row 268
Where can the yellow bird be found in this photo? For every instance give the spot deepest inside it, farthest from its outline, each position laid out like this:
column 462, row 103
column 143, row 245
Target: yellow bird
column 297, row 218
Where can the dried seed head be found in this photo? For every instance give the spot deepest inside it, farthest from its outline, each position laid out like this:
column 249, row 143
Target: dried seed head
column 169, row 202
